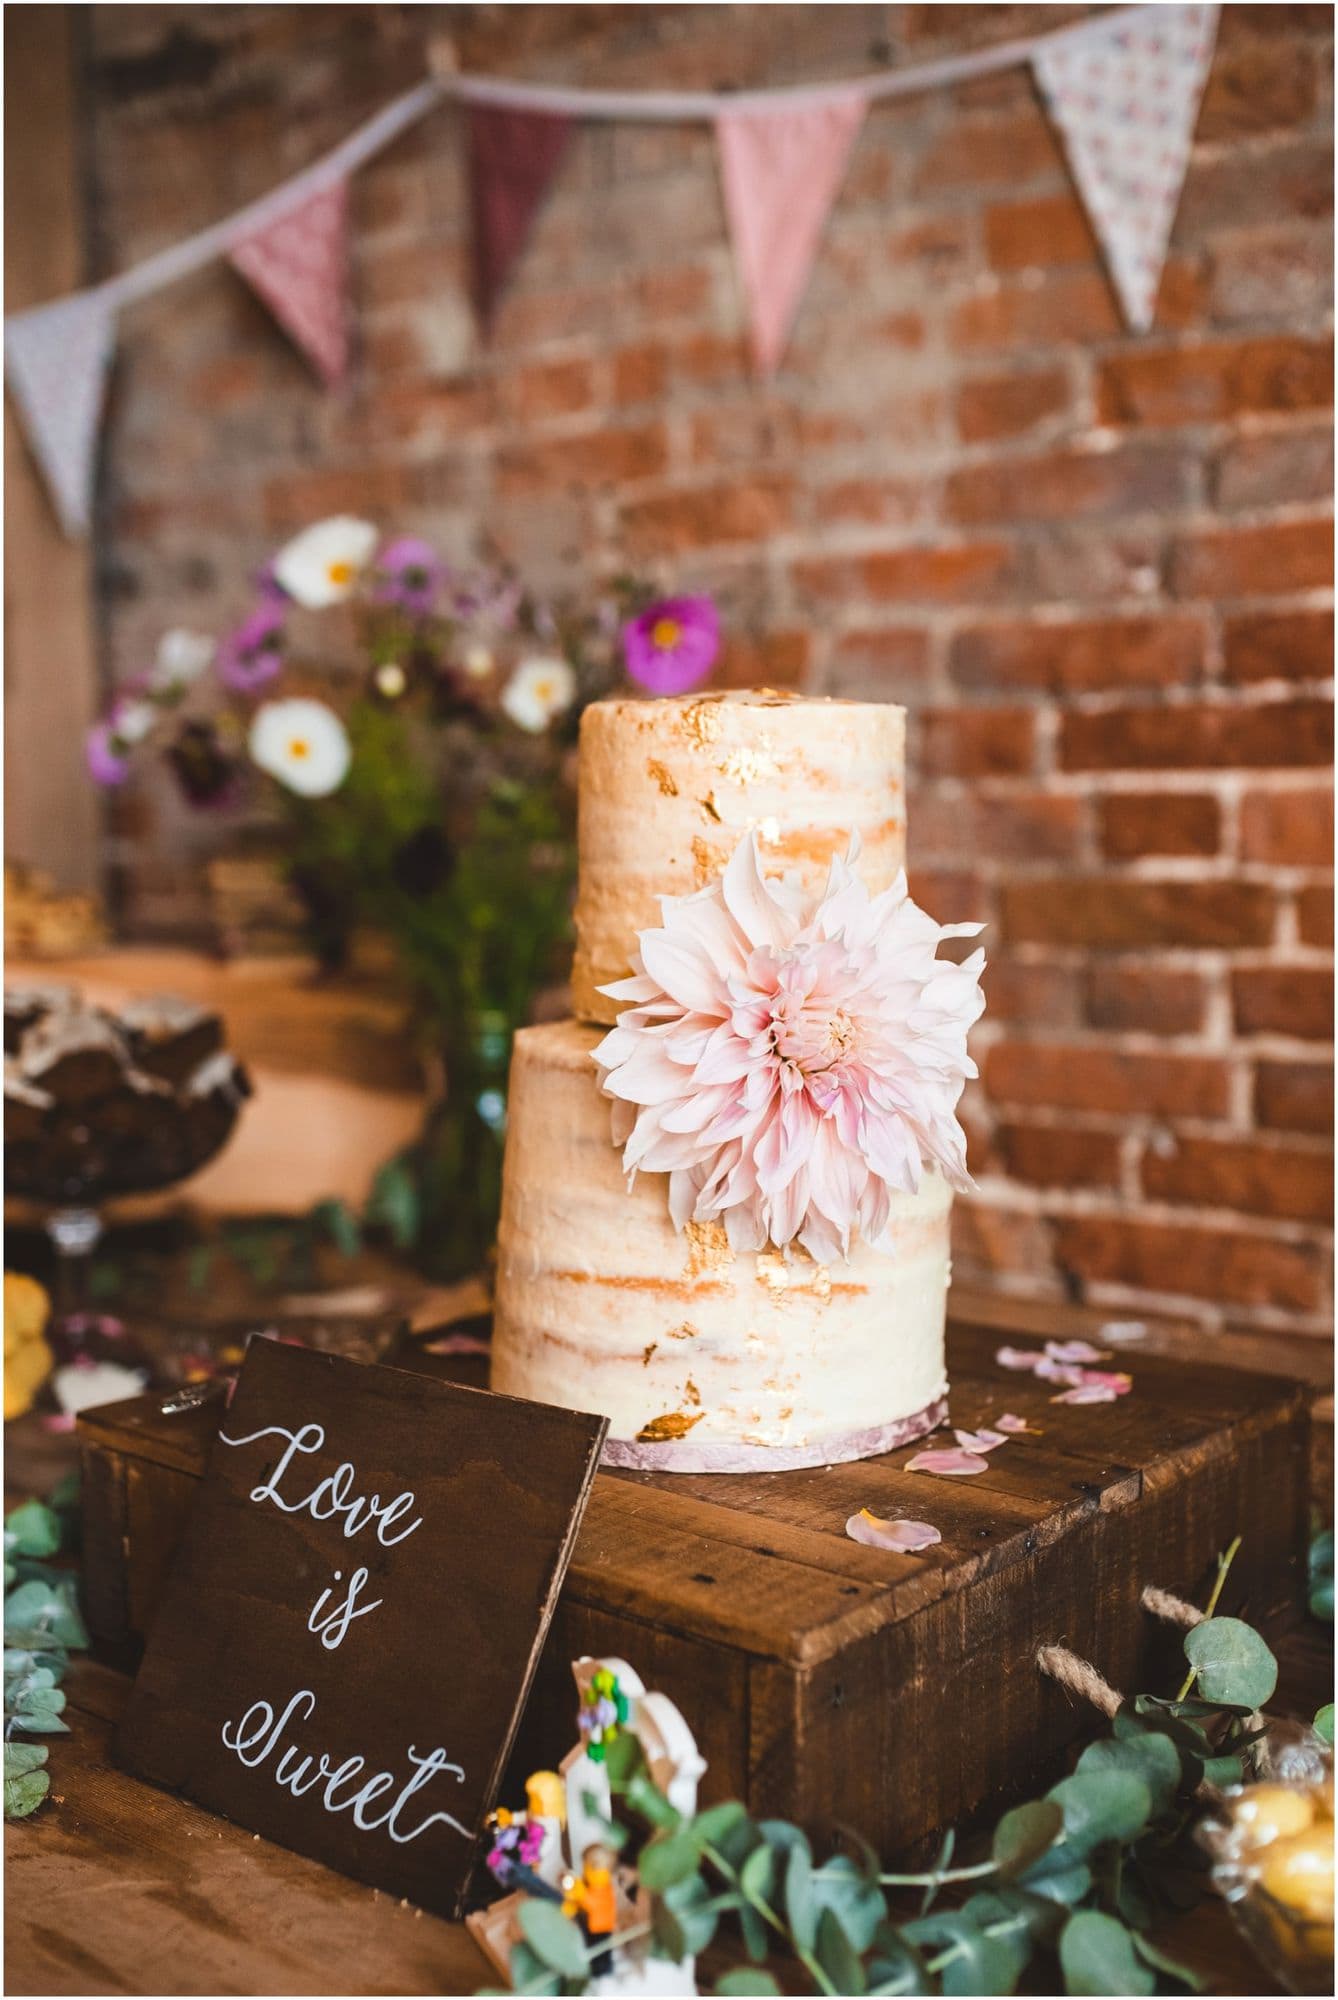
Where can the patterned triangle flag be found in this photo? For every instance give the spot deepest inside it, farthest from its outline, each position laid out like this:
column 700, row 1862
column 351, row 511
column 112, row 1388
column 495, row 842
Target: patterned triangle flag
column 56, row 362
column 781, row 171
column 1126, row 102
column 513, row 157
column 298, row 264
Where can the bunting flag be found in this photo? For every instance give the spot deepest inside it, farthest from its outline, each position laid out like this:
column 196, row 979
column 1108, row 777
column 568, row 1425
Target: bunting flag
column 781, row 172
column 513, row 157
column 298, row 264
column 1125, row 98
column 56, row 360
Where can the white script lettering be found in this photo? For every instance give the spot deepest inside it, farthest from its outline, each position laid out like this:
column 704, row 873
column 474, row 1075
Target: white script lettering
column 333, row 1495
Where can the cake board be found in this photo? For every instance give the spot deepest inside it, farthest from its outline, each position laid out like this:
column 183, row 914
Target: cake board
column 835, row 1684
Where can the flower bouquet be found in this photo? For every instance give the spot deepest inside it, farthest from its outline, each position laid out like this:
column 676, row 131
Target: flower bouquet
column 407, row 732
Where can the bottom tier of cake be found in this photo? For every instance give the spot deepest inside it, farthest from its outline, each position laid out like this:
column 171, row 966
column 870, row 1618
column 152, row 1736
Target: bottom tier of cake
column 703, row 1361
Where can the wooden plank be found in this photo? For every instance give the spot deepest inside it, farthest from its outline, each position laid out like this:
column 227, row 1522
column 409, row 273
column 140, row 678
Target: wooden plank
column 116, row 1888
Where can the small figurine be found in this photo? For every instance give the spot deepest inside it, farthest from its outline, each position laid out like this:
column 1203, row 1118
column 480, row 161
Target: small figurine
column 592, row 1899
column 517, row 1848
column 546, row 1808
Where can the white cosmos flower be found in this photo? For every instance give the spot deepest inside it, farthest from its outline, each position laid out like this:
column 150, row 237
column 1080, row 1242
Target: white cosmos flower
column 182, row 658
column 477, row 661
column 538, row 690
column 303, row 744
column 132, row 720
column 322, row 565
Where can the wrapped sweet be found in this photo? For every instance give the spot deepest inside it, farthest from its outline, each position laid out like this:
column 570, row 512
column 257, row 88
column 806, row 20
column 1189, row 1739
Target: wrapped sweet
column 1272, row 1846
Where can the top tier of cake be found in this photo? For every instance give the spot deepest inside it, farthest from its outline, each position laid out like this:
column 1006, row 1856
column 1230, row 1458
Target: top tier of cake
column 669, row 788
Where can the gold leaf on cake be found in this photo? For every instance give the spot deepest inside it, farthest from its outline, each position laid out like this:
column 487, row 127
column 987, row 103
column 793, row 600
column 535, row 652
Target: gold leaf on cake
column 663, row 778
column 707, row 861
column 685, row 1332
column 663, row 1430
column 773, row 1272
column 692, row 1394
column 750, row 763
column 708, row 1248
column 700, row 721
column 710, row 808
column 647, row 1352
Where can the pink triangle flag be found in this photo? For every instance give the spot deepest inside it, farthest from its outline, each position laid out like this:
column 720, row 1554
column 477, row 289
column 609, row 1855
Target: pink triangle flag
column 1126, row 101
column 56, row 362
column 513, row 158
column 782, row 170
column 298, row 264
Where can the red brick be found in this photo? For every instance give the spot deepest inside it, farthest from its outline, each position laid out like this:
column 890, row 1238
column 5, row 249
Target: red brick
column 639, row 373
column 976, row 742
column 605, row 457
column 1295, row 1000
column 1278, row 646
column 1079, row 653
column 990, row 151
column 1294, row 1096
column 1000, row 406
column 550, row 389
column 1148, row 1000
column 1242, row 186
column 1195, row 735
column 749, row 511
column 1084, row 1077
column 956, row 896
column 1110, row 914
column 298, row 498
column 765, row 659
column 1282, row 273
column 1069, row 305
column 413, row 410
column 1070, row 485
column 1314, row 916
column 1059, row 1156
column 1288, row 829
column 1254, row 1177
column 1051, row 230
column 1137, row 823
column 1023, row 826
column 1259, row 86
column 1256, row 561
column 993, row 1240
column 1223, row 1265
column 1215, row 380
column 709, row 358
column 881, row 502
column 972, row 573
column 675, row 292
column 1037, row 995
column 1283, row 468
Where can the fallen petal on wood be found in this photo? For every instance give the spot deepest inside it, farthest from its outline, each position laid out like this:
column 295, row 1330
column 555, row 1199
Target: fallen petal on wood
column 1075, row 1350
column 979, row 1440
column 1123, row 1331
column 905, row 1537
column 949, row 1463
column 1050, row 1370
column 1019, row 1357
column 1011, row 1426
column 1089, row 1392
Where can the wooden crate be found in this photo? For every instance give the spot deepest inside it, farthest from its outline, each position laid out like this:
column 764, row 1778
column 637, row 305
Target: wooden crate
column 837, row 1684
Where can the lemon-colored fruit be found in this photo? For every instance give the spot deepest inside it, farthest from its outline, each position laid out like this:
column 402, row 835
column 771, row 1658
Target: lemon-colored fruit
column 1298, row 1873
column 1270, row 1812
column 27, row 1356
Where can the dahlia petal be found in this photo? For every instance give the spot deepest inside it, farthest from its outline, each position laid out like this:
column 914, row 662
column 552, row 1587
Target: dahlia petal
column 949, row 1463
column 1075, row 1350
column 684, row 971
column 902, row 1537
column 754, row 910
column 979, row 1441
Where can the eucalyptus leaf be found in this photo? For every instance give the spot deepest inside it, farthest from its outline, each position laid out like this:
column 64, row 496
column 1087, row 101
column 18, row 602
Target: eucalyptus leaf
column 841, row 1886
column 1151, row 1756
column 34, row 1649
column 623, row 1758
column 50, row 1609
column 1059, row 1877
column 1324, row 1722
column 644, row 1796
column 394, row 1203
column 1024, row 1835
column 837, row 1955
column 746, row 1979
column 716, row 1823
column 668, row 1858
column 1232, row 1662
column 529, row 1974
column 20, row 1758
column 1101, row 1805
column 757, row 1875
column 24, row 1795
column 754, row 1933
column 696, row 1913
column 801, row 1909
column 1097, row 1955
column 553, row 1938
column 335, row 1219
column 893, row 1966
column 34, row 1530
column 969, row 1957
column 1161, row 1962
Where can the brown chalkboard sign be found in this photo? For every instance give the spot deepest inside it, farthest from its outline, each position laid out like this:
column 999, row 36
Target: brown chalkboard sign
column 356, row 1611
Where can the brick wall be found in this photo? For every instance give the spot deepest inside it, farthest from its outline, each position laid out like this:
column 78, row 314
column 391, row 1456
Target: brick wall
column 1095, row 567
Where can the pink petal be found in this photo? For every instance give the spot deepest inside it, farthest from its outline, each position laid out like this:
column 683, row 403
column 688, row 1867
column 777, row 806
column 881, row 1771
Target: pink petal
column 946, row 1462
column 979, row 1440
column 1090, row 1392
column 1123, row 1331
column 1075, row 1350
column 905, row 1537
column 1019, row 1357
column 1011, row 1425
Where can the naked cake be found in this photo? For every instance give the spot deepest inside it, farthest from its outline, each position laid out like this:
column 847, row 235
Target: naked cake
column 725, row 1220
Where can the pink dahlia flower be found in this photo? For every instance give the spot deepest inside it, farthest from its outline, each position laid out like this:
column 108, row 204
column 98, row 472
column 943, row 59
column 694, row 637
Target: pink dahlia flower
column 671, row 646
column 792, row 1062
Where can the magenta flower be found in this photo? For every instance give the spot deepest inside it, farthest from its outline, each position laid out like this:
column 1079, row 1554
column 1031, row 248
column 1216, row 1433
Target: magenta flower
column 104, row 766
column 672, row 646
column 409, row 575
column 253, row 655
column 792, row 1063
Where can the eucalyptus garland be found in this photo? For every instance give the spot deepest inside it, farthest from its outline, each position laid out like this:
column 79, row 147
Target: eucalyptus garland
column 1073, row 1880
column 43, row 1626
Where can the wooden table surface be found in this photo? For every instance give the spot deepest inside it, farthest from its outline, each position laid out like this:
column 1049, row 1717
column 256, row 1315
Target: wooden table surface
column 114, row 1887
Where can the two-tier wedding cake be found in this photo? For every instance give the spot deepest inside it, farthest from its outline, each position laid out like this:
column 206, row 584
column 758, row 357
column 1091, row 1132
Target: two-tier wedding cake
column 727, row 1180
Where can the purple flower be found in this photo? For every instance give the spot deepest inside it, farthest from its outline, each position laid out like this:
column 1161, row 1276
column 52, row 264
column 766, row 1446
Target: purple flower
column 268, row 588
column 409, row 574
column 253, row 654
column 104, row 766
column 671, row 647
